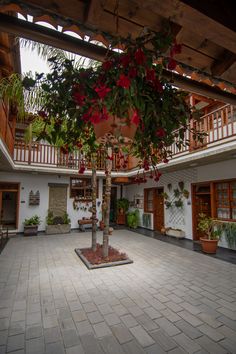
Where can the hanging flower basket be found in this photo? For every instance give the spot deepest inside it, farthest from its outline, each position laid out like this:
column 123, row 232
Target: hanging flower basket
column 114, row 127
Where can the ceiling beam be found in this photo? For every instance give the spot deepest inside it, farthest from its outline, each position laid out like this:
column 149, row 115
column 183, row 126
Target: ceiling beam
column 195, row 21
column 51, row 37
column 223, row 63
column 222, row 13
column 41, row 34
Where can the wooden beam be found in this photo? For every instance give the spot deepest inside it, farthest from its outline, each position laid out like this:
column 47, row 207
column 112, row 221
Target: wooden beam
column 223, row 63
column 194, row 21
column 200, row 88
column 4, row 49
column 93, row 12
column 222, row 13
column 45, row 35
column 50, row 37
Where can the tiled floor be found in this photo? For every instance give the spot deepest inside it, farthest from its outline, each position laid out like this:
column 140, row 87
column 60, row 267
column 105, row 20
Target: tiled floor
column 224, row 254
column 170, row 300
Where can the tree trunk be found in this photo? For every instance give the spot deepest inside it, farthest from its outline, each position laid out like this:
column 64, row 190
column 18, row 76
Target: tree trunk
column 107, row 199
column 94, row 200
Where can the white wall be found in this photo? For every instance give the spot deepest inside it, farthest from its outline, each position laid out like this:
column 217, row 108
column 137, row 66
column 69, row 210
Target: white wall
column 182, row 218
column 40, row 182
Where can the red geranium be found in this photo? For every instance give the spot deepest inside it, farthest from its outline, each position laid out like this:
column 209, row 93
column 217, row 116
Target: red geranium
column 125, row 60
column 102, row 91
column 135, row 118
column 107, row 65
column 140, row 57
column 133, row 72
column 150, row 75
column 123, row 81
column 78, row 98
column 161, row 133
column 171, row 64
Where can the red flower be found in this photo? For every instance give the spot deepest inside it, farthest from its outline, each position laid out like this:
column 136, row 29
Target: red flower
column 171, row 64
column 125, row 60
column 135, row 118
column 161, row 133
column 132, row 73
column 78, row 98
column 123, row 81
column 140, row 57
column 104, row 115
column 107, row 65
column 95, row 118
column 176, row 49
column 82, row 169
column 150, row 75
column 102, row 91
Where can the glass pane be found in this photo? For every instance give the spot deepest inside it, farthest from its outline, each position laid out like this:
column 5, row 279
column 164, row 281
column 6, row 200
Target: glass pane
column 223, row 213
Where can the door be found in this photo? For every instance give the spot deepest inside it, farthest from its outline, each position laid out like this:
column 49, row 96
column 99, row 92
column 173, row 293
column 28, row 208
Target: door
column 201, row 204
column 9, row 205
column 158, row 213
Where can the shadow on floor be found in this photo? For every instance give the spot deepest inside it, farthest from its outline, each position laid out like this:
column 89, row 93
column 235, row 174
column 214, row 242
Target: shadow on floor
column 223, row 254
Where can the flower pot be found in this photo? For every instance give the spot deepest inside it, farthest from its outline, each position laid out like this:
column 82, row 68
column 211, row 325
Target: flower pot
column 209, row 246
column 114, row 126
column 31, row 230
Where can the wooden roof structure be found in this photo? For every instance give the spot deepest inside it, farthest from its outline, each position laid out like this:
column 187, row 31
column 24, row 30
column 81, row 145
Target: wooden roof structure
column 206, row 30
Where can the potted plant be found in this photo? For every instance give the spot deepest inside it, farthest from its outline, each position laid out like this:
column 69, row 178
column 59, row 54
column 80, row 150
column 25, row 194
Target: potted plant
column 57, row 224
column 133, row 219
column 122, row 206
column 212, row 234
column 31, row 226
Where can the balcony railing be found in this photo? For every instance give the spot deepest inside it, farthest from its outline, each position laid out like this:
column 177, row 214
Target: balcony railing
column 220, row 126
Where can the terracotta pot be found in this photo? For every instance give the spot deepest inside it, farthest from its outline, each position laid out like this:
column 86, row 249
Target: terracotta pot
column 209, row 246
column 113, row 127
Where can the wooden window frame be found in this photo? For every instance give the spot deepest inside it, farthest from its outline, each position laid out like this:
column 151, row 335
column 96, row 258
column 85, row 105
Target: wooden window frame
column 85, row 188
column 146, row 191
column 229, row 199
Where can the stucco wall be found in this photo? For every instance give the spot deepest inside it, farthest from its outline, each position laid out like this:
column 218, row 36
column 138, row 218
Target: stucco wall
column 182, row 218
column 40, row 182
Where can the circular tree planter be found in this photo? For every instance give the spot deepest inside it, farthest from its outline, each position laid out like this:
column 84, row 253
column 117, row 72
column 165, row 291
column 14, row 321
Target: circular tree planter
column 209, row 246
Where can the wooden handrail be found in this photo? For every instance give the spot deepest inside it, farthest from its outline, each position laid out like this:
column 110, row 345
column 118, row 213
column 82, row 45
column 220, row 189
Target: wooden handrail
column 219, row 125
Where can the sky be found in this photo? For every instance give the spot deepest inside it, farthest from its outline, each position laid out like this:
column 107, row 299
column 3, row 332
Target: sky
column 30, row 61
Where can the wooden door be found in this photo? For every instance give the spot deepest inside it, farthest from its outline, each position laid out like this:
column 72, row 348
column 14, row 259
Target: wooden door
column 9, row 204
column 158, row 212
column 201, row 204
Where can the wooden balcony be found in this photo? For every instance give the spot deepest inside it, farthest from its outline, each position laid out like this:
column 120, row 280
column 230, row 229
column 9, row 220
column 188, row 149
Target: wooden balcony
column 220, row 126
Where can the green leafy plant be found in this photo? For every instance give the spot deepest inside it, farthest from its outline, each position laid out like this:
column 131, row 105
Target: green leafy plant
column 207, row 225
column 49, row 218
column 122, row 203
column 168, row 204
column 228, row 229
column 66, row 219
column 178, row 203
column 133, row 218
column 34, row 220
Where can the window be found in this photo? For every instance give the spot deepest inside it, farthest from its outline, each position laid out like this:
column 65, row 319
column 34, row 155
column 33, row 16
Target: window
column 81, row 188
column 148, row 200
column 226, row 200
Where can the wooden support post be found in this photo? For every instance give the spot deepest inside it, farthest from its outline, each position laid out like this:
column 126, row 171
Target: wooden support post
column 107, row 199
column 94, row 206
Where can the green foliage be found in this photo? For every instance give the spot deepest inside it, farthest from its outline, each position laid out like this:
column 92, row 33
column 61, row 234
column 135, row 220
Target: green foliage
column 207, row 225
column 122, row 203
column 55, row 220
column 34, row 220
column 229, row 231
column 133, row 218
column 178, row 203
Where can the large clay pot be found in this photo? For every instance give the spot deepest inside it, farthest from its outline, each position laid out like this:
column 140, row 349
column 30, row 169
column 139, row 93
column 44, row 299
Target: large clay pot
column 114, row 127
column 209, row 246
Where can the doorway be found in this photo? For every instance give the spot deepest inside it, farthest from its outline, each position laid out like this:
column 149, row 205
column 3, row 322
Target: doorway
column 9, row 205
column 201, row 204
column 158, row 212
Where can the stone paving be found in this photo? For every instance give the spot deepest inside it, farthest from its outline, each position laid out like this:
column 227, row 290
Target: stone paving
column 170, row 300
